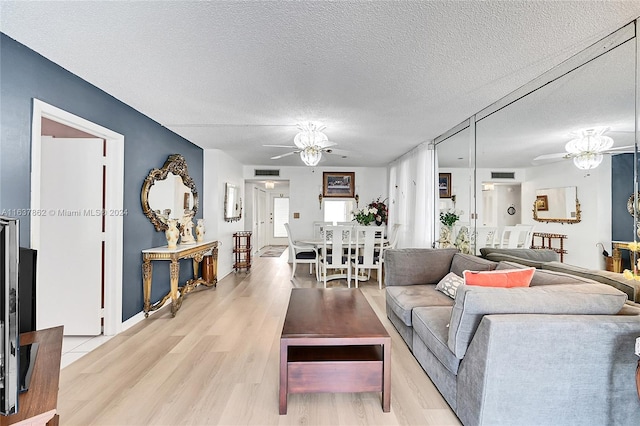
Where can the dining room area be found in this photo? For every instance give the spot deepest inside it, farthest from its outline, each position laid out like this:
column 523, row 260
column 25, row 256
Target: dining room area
column 342, row 253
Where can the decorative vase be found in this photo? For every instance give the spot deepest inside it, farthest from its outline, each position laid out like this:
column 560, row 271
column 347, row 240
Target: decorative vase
column 186, row 234
column 172, row 233
column 200, row 230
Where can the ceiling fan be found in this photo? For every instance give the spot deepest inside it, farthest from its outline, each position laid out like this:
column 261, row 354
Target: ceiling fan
column 587, row 149
column 310, row 143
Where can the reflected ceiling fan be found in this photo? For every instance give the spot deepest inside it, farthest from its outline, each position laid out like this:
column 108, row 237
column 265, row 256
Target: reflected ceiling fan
column 587, row 149
column 310, row 143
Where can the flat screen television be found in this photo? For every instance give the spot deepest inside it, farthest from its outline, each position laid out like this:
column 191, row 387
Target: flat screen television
column 9, row 316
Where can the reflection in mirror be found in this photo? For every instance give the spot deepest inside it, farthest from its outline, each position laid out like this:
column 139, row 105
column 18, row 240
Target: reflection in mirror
column 539, row 125
column 232, row 203
column 453, row 157
column 557, row 205
column 168, row 192
column 170, row 197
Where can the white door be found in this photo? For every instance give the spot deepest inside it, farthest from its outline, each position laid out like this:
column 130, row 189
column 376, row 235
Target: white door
column 278, row 217
column 69, row 268
column 262, row 219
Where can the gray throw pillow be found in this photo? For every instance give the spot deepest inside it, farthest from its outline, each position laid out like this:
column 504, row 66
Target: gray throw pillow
column 449, row 284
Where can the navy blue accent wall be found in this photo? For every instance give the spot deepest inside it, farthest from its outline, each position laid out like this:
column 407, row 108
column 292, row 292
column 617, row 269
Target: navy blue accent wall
column 621, row 189
column 24, row 75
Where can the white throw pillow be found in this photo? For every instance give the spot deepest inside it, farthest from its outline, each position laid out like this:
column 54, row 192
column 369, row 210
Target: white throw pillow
column 449, row 284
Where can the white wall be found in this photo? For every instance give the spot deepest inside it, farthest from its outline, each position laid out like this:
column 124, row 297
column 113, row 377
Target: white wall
column 220, row 168
column 305, row 184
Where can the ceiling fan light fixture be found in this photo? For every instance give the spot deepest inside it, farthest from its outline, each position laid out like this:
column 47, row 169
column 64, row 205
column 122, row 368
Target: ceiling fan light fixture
column 310, row 135
column 589, row 140
column 588, row 160
column 311, row 155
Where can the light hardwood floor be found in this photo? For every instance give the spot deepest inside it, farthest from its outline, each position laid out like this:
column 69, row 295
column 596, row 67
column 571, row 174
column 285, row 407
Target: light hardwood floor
column 216, row 363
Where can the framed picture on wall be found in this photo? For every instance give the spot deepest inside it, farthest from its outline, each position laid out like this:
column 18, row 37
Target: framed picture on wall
column 444, row 185
column 339, row 184
column 542, row 203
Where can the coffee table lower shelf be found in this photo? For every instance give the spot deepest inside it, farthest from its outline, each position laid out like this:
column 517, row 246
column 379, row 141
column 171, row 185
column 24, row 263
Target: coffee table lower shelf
column 350, row 368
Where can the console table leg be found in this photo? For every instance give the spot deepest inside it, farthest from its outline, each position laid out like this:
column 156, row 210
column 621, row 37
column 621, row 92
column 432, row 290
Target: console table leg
column 174, row 268
column 147, row 273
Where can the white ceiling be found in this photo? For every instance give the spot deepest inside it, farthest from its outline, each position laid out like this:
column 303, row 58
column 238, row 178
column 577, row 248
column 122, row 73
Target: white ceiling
column 382, row 76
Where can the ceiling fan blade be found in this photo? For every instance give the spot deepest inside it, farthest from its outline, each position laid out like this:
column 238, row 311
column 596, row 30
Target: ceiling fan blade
column 277, row 157
column 280, row 146
column 341, row 152
column 620, row 148
column 551, row 157
column 327, row 144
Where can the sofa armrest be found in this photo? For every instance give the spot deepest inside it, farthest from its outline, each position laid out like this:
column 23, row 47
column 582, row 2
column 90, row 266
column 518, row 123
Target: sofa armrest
column 550, row 369
column 416, row 265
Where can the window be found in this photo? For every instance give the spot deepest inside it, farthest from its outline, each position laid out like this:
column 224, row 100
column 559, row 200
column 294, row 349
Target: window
column 338, row 210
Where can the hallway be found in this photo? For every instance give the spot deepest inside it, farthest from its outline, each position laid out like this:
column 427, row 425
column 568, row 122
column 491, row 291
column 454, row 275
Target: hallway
column 216, row 363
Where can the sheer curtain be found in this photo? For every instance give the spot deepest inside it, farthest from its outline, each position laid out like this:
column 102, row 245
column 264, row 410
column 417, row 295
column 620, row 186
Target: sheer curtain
column 413, row 190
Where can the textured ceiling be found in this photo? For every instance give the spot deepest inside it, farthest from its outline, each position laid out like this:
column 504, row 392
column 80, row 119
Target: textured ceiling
column 382, row 76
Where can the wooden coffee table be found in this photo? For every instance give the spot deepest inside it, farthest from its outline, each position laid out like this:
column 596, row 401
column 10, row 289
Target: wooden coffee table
column 332, row 341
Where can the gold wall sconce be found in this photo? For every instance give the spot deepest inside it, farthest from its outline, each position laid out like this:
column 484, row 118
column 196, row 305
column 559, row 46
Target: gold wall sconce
column 357, row 197
column 320, row 200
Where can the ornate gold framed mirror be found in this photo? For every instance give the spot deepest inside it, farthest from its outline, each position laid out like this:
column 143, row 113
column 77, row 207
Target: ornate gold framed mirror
column 169, row 191
column 557, row 205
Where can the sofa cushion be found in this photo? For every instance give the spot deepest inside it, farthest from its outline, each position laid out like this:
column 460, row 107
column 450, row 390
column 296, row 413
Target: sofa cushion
column 498, row 257
column 449, row 284
column 631, row 287
column 417, row 266
column 528, row 257
column 473, row 302
column 463, row 262
column 431, row 325
column 500, row 278
column 543, row 277
column 402, row 299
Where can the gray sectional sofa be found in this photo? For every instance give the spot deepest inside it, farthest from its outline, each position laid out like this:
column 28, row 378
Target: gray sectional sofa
column 549, row 260
column 560, row 352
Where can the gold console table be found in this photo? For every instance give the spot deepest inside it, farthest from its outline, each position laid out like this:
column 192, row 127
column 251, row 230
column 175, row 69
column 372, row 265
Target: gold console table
column 617, row 256
column 196, row 252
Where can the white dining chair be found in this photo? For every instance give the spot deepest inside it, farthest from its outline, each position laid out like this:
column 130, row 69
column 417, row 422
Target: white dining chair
column 369, row 249
column 318, row 229
column 302, row 253
column 511, row 236
column 526, row 235
column 335, row 252
column 484, row 236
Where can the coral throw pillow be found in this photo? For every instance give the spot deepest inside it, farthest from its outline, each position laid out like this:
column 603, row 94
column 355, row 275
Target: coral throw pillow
column 502, row 278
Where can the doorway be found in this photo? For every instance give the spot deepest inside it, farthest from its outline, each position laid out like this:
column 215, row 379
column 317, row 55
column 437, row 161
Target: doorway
column 112, row 224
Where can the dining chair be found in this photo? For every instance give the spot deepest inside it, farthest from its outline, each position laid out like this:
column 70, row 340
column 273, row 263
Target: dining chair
column 346, row 223
column 318, row 229
column 369, row 250
column 484, row 236
column 302, row 253
column 526, row 235
column 511, row 236
column 335, row 251
column 392, row 237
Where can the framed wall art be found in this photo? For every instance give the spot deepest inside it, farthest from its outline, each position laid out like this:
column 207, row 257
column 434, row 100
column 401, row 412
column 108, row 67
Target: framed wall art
column 542, row 203
column 444, row 185
column 338, row 184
